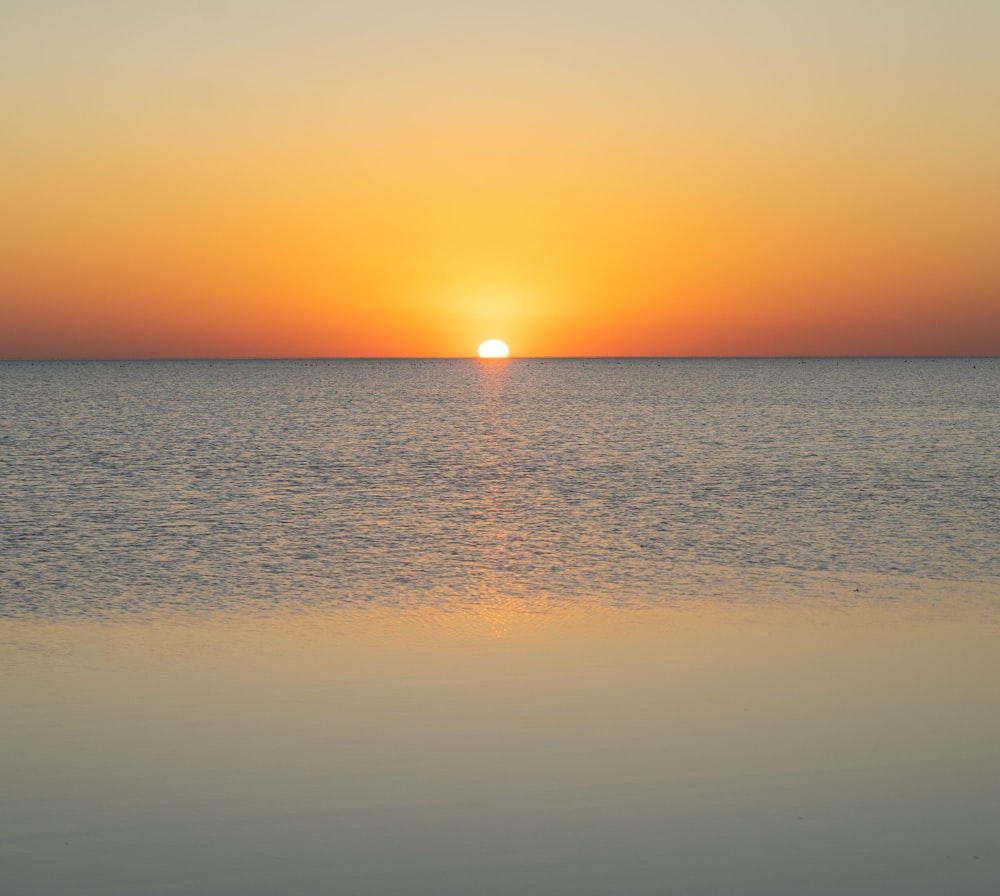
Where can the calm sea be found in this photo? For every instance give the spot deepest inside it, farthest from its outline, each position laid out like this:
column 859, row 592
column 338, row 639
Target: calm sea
column 534, row 626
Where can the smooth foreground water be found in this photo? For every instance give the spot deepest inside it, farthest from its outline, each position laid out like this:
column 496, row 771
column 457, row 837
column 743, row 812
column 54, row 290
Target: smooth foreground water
column 543, row 627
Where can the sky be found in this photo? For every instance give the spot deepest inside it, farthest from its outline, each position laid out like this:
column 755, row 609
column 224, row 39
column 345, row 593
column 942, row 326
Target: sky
column 403, row 179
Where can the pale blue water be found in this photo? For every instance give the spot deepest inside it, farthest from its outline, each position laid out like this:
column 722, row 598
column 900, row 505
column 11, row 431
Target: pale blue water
column 198, row 486
column 574, row 627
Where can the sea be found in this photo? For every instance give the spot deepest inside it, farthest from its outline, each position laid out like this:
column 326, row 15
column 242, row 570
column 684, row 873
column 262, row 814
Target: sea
column 535, row 626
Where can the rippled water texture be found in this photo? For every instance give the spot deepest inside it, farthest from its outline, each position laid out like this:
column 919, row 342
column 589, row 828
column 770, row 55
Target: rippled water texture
column 553, row 628
column 200, row 486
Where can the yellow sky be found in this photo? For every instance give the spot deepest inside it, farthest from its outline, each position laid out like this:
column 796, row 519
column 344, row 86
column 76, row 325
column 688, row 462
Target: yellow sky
column 263, row 179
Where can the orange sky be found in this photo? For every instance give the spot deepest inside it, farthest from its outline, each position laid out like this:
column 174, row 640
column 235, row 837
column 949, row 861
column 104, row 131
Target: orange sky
column 718, row 178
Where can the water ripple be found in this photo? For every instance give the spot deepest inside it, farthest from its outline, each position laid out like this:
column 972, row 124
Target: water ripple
column 132, row 487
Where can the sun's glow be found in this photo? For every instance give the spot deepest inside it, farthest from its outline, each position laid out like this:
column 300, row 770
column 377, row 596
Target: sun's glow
column 493, row 348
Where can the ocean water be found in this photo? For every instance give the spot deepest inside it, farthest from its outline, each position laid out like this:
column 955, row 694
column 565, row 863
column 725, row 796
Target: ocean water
column 200, row 486
column 535, row 626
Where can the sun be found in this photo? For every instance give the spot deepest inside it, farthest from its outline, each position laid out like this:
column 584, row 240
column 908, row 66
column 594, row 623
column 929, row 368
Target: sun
column 493, row 348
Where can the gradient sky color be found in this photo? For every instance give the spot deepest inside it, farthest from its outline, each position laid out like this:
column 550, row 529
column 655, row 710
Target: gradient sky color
column 407, row 179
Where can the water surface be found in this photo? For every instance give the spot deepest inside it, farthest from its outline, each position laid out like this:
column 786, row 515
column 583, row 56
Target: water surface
column 546, row 627
column 200, row 485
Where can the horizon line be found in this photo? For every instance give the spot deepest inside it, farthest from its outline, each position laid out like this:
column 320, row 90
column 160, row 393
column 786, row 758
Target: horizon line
column 221, row 358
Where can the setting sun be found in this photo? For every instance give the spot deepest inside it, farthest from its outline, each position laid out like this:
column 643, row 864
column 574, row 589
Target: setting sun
column 493, row 348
